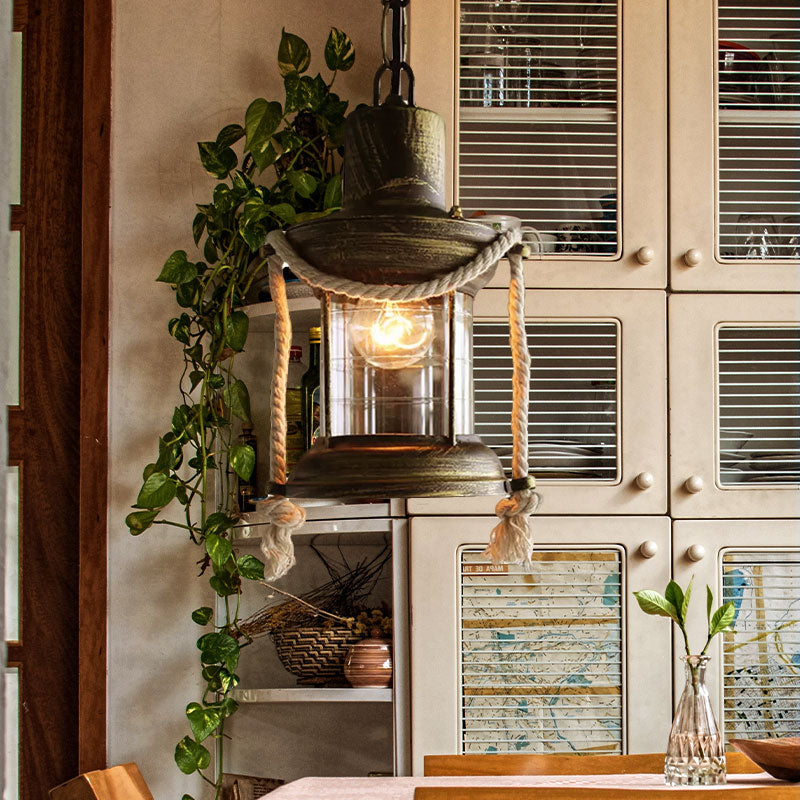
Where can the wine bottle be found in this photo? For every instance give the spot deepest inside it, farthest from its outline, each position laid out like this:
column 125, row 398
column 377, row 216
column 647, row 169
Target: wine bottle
column 310, row 389
column 295, row 441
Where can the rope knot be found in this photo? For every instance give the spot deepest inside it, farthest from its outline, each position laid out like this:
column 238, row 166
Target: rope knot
column 283, row 517
column 510, row 541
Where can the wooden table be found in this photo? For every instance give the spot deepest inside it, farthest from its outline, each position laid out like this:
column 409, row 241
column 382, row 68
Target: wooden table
column 527, row 787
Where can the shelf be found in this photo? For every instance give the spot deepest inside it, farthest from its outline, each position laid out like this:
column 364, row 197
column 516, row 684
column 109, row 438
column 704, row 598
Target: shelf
column 537, row 114
column 312, row 694
column 305, row 313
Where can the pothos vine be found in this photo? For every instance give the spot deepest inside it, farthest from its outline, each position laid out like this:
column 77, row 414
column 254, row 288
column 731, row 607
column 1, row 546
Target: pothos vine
column 288, row 170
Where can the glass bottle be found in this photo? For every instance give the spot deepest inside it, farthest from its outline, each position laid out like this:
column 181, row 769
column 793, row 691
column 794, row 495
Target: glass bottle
column 247, row 487
column 295, row 443
column 310, row 390
column 695, row 750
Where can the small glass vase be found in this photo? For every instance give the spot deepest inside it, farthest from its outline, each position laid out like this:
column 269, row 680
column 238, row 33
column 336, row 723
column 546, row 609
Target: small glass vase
column 695, row 751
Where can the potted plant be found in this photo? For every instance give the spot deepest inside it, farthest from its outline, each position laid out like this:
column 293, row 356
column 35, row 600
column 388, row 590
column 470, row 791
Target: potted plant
column 695, row 749
column 286, row 170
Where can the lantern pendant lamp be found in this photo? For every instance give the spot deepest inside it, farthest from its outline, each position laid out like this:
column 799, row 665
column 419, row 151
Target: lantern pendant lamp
column 396, row 374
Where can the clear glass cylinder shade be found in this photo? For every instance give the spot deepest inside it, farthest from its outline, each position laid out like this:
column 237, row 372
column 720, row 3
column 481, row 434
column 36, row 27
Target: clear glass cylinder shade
column 388, row 367
column 695, row 750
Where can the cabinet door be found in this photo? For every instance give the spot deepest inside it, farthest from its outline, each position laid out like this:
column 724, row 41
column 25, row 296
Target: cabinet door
column 735, row 145
column 754, row 674
column 597, row 422
column 546, row 660
column 735, row 405
column 556, row 113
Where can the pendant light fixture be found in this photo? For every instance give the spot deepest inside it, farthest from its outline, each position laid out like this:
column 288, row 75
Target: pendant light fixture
column 396, row 274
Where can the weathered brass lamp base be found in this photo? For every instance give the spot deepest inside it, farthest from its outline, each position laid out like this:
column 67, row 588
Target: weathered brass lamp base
column 375, row 467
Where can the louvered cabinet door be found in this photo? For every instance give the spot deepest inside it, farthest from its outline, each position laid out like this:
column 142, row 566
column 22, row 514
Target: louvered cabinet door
column 734, row 405
column 754, row 674
column 735, row 145
column 556, row 114
column 597, row 417
column 553, row 659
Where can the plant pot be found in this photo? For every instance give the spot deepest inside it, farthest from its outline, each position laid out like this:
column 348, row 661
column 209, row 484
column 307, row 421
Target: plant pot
column 369, row 664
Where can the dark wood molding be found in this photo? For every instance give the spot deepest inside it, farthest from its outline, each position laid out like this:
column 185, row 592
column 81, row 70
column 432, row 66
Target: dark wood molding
column 20, row 15
column 46, row 427
column 17, row 218
column 94, row 384
column 16, row 432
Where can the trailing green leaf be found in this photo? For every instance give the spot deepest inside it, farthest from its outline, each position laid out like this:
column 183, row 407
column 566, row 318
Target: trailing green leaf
column 191, row 756
column 251, row 568
column 293, row 54
column 219, row 549
column 242, row 459
column 339, row 51
column 237, row 399
column 202, row 615
column 140, row 521
column 177, row 269
column 156, row 492
column 204, row 720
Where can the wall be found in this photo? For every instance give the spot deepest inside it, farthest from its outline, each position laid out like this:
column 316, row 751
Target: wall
column 181, row 70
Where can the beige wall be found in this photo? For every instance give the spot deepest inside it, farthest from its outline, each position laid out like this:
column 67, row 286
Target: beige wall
column 181, row 70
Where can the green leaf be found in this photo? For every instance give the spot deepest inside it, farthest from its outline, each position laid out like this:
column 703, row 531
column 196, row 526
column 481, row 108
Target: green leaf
column 187, row 294
column 237, row 398
column 140, row 521
column 229, row 135
column 242, row 183
column 223, row 585
column 709, row 604
column 216, row 381
column 237, row 325
column 187, row 797
column 210, row 251
column 157, row 491
column 251, row 568
column 339, row 51
column 674, row 595
column 177, row 269
column 653, row 603
column 228, row 706
column 722, row 619
column 303, row 183
column 191, row 756
column 685, row 605
column 170, row 455
column 149, row 470
column 333, row 193
column 219, row 648
column 195, row 378
column 227, row 680
column 216, row 160
column 261, row 121
column 198, row 226
column 219, row 549
column 284, row 212
column 204, row 721
column 242, row 459
column 179, row 328
column 218, row 522
column 293, row 54
column 202, row 615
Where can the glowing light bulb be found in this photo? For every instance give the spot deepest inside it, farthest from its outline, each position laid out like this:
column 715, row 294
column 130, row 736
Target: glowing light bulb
column 392, row 335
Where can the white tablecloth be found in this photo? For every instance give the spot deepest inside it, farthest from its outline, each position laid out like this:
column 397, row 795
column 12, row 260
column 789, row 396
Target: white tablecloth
column 403, row 788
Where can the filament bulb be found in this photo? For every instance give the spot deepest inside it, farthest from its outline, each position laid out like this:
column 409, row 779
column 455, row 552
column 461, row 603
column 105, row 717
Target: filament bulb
column 392, row 335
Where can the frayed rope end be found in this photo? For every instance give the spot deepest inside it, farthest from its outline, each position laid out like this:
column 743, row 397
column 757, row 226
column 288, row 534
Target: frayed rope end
column 510, row 541
column 284, row 517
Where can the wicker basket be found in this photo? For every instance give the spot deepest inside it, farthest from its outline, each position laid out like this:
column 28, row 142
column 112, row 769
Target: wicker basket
column 314, row 655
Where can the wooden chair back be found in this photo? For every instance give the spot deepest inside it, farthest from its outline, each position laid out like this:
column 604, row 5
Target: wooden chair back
column 778, row 792
column 124, row 782
column 534, row 764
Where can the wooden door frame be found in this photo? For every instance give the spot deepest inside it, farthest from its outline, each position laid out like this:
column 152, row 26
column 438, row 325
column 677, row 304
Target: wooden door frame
column 57, row 434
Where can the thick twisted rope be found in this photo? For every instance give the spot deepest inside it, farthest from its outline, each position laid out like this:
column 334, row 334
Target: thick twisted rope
column 510, row 540
column 434, row 287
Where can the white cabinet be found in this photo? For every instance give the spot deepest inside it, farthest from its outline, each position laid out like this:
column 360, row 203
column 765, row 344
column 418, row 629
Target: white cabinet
column 754, row 674
column 597, row 423
column 558, row 659
column 735, row 405
column 556, row 113
column 286, row 728
column 734, row 145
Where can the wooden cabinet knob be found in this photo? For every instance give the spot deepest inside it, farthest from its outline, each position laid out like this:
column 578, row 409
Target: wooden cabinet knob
column 648, row 549
column 644, row 480
column 644, row 255
column 692, row 257
column 694, row 484
column 696, row 552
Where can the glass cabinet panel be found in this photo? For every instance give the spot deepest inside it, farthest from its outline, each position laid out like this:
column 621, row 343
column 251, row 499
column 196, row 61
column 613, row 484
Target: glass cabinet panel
column 573, row 417
column 761, row 672
column 759, row 404
column 538, row 122
column 541, row 653
column 758, row 78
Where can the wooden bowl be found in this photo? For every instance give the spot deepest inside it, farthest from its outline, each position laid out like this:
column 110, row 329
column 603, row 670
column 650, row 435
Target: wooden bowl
column 779, row 757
